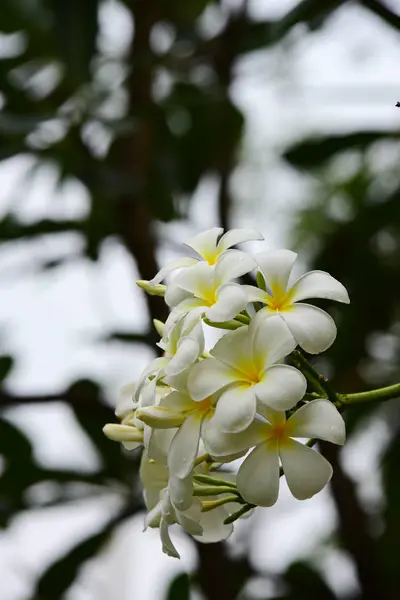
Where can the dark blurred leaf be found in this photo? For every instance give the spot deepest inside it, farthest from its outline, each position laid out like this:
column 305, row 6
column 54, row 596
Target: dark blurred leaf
column 391, row 485
column 62, row 573
column 14, row 445
column 383, row 11
column 76, row 26
column 131, row 338
column 6, row 364
column 312, row 12
column 306, row 583
column 179, row 588
column 314, row 152
column 12, row 229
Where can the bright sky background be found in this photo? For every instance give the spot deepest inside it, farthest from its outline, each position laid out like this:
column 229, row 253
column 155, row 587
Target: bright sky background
column 338, row 79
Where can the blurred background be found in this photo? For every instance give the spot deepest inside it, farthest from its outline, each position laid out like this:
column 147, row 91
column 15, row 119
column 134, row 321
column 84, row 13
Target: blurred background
column 126, row 127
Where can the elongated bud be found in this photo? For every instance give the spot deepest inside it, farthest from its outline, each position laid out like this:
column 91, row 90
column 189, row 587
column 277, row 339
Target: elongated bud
column 159, row 327
column 160, row 417
column 261, row 281
column 152, row 290
column 122, row 433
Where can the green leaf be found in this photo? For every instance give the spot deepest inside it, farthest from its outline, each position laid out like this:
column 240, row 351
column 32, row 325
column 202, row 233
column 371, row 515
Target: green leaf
column 179, row 588
column 314, row 152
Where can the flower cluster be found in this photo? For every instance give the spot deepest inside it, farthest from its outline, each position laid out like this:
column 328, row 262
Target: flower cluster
column 195, row 409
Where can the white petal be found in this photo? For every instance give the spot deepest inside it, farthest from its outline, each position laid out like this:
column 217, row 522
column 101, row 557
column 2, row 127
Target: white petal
column 281, row 388
column 131, row 445
column 318, row 419
column 218, row 443
column 125, row 401
column 231, row 265
column 154, row 367
column 254, row 294
column 197, row 280
column 205, row 243
column 213, row 526
column 175, row 294
column 180, row 491
column 152, row 518
column 154, row 477
column 306, row 471
column 160, row 417
column 158, row 442
column 179, row 263
column 167, row 545
column 237, row 236
column 231, row 300
column 318, row 284
column 189, row 519
column 276, row 267
column 234, row 349
column 258, row 476
column 187, row 353
column 184, row 446
column 209, row 376
column 236, row 409
column 271, row 339
column 148, row 393
column 195, row 305
column 313, row 329
column 178, row 402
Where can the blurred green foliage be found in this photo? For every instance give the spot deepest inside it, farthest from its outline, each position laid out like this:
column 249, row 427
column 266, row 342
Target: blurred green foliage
column 140, row 160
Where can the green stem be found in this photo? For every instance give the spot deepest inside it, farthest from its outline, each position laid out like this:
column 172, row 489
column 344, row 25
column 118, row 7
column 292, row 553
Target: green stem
column 201, row 459
column 239, row 513
column 317, row 380
column 212, row 490
column 242, row 319
column 208, row 480
column 379, row 395
column 211, row 504
column 231, row 325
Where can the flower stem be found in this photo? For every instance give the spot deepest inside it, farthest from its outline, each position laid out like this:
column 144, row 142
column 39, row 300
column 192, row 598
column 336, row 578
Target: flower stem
column 213, row 481
column 242, row 319
column 239, row 513
column 231, row 325
column 379, row 395
column 212, row 490
column 210, row 504
column 318, row 381
column 201, row 459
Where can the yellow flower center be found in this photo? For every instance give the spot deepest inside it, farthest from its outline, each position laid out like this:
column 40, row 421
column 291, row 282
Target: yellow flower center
column 281, row 299
column 279, row 432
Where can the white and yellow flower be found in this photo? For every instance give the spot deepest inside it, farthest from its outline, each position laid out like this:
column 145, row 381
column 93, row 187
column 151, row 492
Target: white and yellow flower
column 313, row 329
column 130, row 430
column 203, row 289
column 244, row 369
column 208, row 246
column 306, row 471
column 169, row 500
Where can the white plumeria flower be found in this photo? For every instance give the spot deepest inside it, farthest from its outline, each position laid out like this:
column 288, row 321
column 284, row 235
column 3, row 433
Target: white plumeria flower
column 306, row 471
column 130, row 431
column 178, row 409
column 243, row 367
column 208, row 290
column 169, row 500
column 182, row 342
column 313, row 329
column 208, row 246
